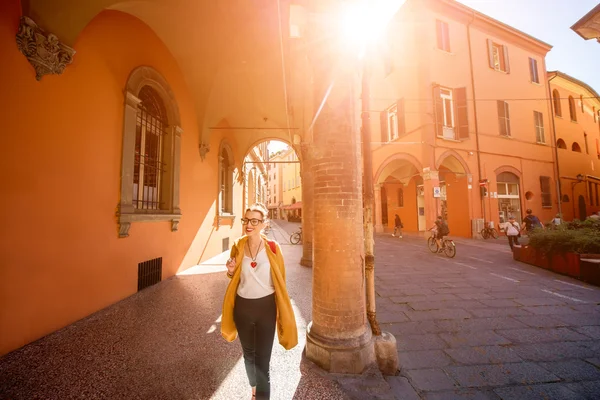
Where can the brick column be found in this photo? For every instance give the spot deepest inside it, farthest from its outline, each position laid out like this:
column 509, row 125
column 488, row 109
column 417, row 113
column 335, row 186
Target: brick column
column 431, row 179
column 307, row 207
column 378, row 215
column 338, row 338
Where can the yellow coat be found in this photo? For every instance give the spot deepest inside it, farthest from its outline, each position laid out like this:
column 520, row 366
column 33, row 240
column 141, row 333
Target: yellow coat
column 286, row 323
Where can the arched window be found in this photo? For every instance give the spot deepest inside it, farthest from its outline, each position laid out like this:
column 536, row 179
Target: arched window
column 576, row 147
column 572, row 109
column 556, row 101
column 150, row 152
column 400, row 197
column 561, row 144
column 565, row 198
column 225, row 180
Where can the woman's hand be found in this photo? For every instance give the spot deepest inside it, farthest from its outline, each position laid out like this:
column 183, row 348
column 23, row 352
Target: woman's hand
column 230, row 266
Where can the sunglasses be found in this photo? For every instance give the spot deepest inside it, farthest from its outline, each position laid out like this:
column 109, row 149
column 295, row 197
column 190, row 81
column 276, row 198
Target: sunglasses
column 252, row 221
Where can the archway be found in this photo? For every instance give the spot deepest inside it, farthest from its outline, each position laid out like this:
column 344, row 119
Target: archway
column 454, row 195
column 509, row 198
column 396, row 184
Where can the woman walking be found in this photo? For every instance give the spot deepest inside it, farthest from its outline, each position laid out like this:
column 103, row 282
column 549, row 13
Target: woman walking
column 256, row 300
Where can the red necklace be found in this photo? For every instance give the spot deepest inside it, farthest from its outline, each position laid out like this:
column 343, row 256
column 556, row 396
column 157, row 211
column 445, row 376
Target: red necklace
column 253, row 264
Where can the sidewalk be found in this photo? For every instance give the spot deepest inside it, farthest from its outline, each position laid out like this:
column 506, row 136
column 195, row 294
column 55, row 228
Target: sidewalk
column 164, row 343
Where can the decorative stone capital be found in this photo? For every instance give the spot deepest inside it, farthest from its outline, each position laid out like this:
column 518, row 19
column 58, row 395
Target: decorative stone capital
column 429, row 174
column 205, row 148
column 43, row 50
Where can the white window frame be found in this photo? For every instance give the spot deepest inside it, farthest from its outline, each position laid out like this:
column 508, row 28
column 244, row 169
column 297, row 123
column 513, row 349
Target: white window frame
column 448, row 122
column 392, row 125
column 127, row 213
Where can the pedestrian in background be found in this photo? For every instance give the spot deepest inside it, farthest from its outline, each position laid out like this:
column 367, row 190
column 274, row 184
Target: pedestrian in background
column 513, row 231
column 530, row 222
column 398, row 226
column 256, row 300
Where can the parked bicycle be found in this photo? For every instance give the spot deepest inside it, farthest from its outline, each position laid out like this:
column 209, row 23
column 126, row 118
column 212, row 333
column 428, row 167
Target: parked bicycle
column 488, row 232
column 448, row 246
column 296, row 237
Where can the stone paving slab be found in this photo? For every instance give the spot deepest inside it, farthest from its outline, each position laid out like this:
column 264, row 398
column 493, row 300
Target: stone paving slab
column 483, row 355
column 500, row 374
column 551, row 391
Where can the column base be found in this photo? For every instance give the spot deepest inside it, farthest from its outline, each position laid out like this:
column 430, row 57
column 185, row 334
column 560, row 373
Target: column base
column 306, row 262
column 341, row 356
column 378, row 228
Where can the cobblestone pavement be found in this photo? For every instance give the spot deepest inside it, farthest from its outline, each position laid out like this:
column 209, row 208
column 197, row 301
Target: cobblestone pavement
column 479, row 326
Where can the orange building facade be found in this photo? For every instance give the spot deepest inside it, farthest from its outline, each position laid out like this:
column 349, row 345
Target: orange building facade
column 117, row 174
column 576, row 109
column 463, row 106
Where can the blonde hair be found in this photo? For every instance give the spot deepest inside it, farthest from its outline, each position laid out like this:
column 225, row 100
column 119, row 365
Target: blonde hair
column 259, row 207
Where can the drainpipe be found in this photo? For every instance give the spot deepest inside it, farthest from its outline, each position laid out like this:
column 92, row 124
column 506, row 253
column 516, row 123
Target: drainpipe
column 557, row 167
column 368, row 199
column 475, row 111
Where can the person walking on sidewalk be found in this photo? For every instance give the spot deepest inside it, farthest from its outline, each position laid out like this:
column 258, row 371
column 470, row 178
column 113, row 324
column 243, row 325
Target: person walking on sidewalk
column 256, row 300
column 513, row 231
column 398, row 226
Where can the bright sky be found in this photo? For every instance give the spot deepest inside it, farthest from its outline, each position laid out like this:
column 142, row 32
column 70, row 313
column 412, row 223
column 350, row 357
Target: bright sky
column 274, row 146
column 550, row 21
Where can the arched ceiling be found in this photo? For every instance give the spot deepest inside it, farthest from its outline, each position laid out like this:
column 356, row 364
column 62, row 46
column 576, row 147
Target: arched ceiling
column 454, row 165
column 229, row 53
column 401, row 170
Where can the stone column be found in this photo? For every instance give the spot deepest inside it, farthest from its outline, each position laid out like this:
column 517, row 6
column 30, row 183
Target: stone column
column 307, row 207
column 339, row 338
column 378, row 214
column 431, row 179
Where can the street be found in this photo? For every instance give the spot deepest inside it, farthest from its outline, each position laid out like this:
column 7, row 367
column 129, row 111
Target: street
column 479, row 326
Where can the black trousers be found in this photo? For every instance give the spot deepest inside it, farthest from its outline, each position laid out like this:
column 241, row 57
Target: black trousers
column 512, row 240
column 255, row 323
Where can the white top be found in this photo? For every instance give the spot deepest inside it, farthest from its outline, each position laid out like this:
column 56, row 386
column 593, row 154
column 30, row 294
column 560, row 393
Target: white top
column 256, row 282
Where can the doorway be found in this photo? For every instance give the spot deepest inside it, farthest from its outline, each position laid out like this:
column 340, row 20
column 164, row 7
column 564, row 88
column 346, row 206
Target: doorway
column 582, row 208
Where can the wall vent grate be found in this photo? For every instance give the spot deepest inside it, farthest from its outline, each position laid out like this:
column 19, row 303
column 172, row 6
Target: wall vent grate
column 149, row 273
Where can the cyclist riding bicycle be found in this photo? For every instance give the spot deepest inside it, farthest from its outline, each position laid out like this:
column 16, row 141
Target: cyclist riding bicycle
column 442, row 230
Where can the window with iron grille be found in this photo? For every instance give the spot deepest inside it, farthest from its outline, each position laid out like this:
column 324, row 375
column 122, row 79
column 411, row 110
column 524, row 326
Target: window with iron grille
column 148, row 165
column 546, row 191
column 151, row 152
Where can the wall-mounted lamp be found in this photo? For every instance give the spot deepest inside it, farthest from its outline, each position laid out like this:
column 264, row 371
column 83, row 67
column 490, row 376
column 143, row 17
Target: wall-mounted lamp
column 580, row 177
